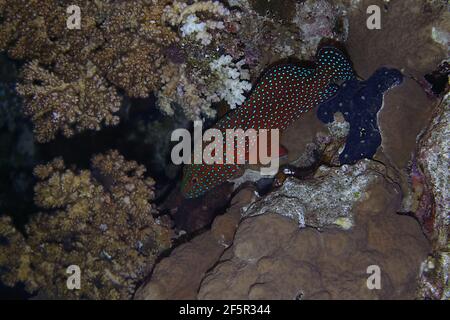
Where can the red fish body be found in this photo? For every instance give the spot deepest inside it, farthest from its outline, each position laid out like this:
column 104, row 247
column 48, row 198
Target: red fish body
column 282, row 95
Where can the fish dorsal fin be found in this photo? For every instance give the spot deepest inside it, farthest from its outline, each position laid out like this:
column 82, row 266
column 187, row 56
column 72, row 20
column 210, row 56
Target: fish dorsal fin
column 333, row 64
column 303, row 71
column 289, row 70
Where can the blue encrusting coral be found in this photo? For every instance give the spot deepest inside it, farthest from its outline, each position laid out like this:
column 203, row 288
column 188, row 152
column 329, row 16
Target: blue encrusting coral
column 359, row 102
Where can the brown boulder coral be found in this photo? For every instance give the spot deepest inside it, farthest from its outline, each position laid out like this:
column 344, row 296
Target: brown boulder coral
column 179, row 275
column 406, row 42
column 101, row 220
column 271, row 258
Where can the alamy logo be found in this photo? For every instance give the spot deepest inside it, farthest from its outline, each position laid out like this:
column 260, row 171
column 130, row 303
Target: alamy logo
column 237, row 147
column 74, row 20
column 374, row 280
column 74, row 279
column 374, row 20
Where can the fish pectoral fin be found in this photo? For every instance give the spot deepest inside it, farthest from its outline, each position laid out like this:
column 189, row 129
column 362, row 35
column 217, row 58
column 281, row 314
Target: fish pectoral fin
column 282, row 152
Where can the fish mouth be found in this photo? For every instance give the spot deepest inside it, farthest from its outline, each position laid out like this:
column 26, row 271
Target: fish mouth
column 187, row 193
column 190, row 195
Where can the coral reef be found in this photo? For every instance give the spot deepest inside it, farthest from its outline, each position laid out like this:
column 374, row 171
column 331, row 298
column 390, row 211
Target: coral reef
column 326, row 199
column 280, row 97
column 14, row 254
column 67, row 85
column 430, row 201
column 201, row 71
column 359, row 102
column 405, row 42
column 222, row 79
column 272, row 259
column 179, row 275
column 190, row 53
column 309, row 141
column 364, row 181
column 28, row 27
column 65, row 101
column 318, row 19
column 135, row 39
column 225, row 39
column 100, row 219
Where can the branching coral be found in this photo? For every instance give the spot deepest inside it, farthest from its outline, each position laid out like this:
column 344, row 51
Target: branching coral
column 177, row 48
column 179, row 89
column 185, row 16
column 14, row 253
column 101, row 220
column 221, row 79
column 67, row 101
column 29, row 27
column 206, row 74
column 232, row 82
column 134, row 51
column 67, row 85
column 216, row 38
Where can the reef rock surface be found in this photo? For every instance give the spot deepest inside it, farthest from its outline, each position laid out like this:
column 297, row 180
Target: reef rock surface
column 179, row 275
column 268, row 249
column 405, row 41
column 429, row 178
column 272, row 258
column 325, row 200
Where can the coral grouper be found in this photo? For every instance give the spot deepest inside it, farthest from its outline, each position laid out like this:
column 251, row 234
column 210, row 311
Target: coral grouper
column 359, row 102
column 281, row 96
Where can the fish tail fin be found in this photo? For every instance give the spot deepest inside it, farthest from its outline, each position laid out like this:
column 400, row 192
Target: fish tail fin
column 334, row 64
